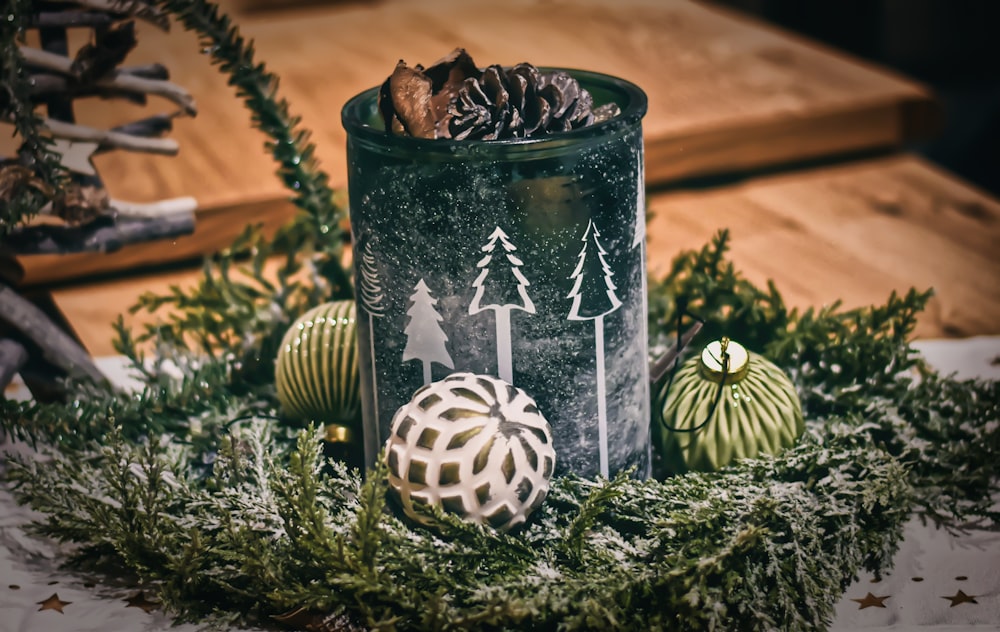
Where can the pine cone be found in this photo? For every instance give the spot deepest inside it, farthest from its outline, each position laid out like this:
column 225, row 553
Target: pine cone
column 454, row 99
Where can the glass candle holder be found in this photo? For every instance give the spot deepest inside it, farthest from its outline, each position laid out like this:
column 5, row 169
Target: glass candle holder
column 522, row 259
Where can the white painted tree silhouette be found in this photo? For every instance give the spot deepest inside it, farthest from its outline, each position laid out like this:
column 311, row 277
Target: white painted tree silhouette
column 501, row 291
column 425, row 340
column 639, row 242
column 639, row 236
column 594, row 298
column 371, row 297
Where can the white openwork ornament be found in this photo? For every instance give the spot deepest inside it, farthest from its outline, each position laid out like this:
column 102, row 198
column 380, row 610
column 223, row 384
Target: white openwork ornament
column 474, row 445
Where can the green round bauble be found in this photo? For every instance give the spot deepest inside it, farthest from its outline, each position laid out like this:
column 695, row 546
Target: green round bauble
column 473, row 445
column 758, row 412
column 316, row 371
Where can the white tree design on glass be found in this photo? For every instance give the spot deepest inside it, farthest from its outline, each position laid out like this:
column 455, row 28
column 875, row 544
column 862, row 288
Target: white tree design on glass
column 639, row 236
column 639, row 243
column 425, row 340
column 501, row 291
column 594, row 298
column 371, row 297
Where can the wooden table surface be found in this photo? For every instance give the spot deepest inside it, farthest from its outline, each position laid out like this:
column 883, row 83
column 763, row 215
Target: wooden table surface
column 727, row 96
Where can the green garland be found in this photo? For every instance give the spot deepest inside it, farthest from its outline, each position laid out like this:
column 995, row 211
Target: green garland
column 198, row 487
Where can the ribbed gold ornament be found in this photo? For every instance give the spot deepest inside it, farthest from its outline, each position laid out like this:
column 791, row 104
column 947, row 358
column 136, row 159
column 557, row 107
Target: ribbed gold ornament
column 758, row 411
column 316, row 371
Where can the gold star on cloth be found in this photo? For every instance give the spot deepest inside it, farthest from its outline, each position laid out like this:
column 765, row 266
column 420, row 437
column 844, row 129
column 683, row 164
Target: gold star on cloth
column 53, row 603
column 75, row 155
column 960, row 598
column 871, row 601
column 139, row 600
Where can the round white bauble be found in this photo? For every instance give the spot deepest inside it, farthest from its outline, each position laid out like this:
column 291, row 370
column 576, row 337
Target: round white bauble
column 474, row 445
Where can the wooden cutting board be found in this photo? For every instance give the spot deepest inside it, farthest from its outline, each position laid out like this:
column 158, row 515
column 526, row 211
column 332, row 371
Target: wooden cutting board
column 725, row 94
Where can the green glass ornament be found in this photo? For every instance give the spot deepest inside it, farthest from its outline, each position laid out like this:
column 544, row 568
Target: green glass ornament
column 474, row 445
column 702, row 428
column 316, row 370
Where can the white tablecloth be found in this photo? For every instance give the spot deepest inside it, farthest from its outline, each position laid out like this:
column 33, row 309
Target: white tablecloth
column 938, row 581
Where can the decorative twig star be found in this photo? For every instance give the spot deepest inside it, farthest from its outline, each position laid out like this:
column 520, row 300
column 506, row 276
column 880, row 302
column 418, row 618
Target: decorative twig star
column 53, row 603
column 871, row 601
column 75, row 155
column 960, row 597
column 139, row 600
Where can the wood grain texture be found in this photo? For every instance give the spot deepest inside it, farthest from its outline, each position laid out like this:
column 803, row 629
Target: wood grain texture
column 724, row 93
column 854, row 232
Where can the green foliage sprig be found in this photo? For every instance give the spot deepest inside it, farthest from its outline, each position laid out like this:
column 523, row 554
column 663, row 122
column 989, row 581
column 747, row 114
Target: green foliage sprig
column 258, row 87
column 240, row 307
column 29, row 194
column 247, row 296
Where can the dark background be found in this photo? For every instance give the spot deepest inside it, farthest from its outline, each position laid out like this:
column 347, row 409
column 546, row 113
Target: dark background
column 952, row 46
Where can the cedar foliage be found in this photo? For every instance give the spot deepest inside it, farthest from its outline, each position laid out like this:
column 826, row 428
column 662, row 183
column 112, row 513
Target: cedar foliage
column 198, row 487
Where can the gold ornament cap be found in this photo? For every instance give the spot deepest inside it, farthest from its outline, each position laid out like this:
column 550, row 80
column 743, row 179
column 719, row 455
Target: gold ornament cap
column 725, row 360
column 335, row 433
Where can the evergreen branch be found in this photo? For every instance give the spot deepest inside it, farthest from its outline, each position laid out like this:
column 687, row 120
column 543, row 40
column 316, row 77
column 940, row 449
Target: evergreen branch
column 237, row 310
column 365, row 530
column 705, row 284
column 595, row 503
column 26, row 196
column 290, row 146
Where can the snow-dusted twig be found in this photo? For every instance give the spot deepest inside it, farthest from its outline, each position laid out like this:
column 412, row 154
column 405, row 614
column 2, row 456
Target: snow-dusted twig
column 163, row 208
column 149, row 126
column 129, row 82
column 45, row 85
column 57, row 347
column 104, row 234
column 143, row 210
column 663, row 364
column 110, row 138
column 149, row 71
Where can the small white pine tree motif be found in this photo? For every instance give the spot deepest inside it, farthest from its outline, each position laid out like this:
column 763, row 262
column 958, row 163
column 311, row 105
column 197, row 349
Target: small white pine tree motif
column 593, row 290
column 501, row 292
column 371, row 296
column 425, row 340
column 594, row 297
column 370, row 285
